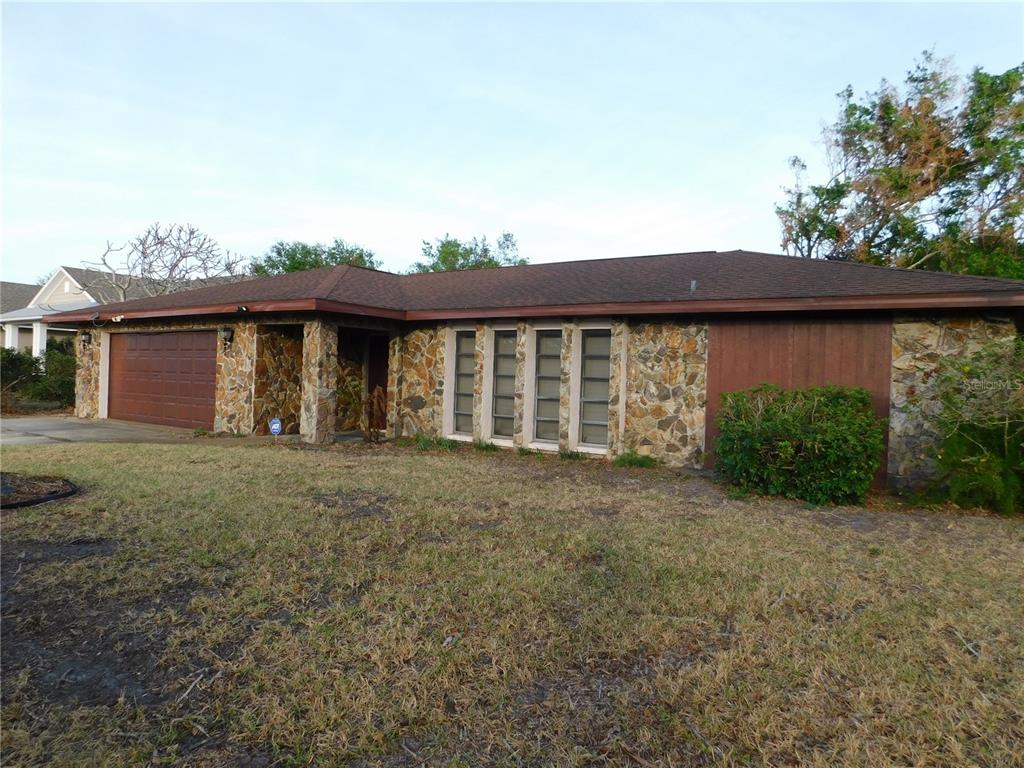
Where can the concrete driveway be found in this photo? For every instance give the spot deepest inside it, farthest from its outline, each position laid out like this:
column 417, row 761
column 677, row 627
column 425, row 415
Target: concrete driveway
column 40, row 430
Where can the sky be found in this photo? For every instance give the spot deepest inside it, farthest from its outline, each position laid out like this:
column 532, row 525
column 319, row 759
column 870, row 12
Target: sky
column 588, row 131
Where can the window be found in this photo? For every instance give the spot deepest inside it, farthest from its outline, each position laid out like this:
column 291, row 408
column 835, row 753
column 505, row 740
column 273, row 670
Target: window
column 503, row 402
column 595, row 370
column 465, row 365
column 548, row 380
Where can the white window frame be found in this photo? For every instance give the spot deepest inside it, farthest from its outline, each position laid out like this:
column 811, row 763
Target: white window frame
column 530, row 384
column 575, row 386
column 487, row 388
column 448, row 415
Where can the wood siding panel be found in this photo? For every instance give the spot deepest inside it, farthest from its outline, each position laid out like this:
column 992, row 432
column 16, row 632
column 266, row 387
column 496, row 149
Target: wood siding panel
column 163, row 378
column 794, row 353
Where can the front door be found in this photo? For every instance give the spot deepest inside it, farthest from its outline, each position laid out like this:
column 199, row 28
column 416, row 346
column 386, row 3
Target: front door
column 377, row 378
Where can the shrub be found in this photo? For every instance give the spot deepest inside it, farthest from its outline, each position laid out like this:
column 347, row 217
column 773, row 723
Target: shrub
column 634, row 459
column 483, row 445
column 820, row 444
column 424, row 443
column 981, row 422
column 18, row 369
column 57, row 380
column 571, row 455
column 446, row 443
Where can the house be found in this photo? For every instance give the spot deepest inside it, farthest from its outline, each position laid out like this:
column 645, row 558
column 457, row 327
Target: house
column 15, row 296
column 28, row 327
column 597, row 356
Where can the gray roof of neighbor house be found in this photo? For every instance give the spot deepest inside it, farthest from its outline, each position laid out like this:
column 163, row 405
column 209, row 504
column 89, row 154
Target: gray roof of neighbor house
column 707, row 281
column 16, row 295
column 98, row 285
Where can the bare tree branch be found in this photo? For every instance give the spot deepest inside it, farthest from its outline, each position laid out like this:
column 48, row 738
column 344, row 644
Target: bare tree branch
column 163, row 259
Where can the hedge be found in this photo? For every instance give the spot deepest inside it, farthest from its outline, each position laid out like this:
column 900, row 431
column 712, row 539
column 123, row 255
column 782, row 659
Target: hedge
column 820, row 444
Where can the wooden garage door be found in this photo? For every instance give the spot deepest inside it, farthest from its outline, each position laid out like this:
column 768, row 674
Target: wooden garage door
column 163, row 378
column 800, row 352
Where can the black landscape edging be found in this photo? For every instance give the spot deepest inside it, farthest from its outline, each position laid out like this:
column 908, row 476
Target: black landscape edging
column 43, row 499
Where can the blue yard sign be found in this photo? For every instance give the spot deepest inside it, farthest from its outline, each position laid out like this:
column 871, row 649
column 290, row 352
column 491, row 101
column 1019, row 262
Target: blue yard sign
column 275, row 427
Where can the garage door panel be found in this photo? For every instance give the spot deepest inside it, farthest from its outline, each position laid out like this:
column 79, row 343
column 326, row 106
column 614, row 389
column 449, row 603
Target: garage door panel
column 163, row 378
column 798, row 352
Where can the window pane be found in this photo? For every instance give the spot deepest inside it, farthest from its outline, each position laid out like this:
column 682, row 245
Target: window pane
column 594, row 390
column 465, row 342
column 464, row 404
column 595, row 367
column 547, row 387
column 464, row 364
column 549, row 343
column 505, row 343
column 594, row 435
column 463, row 423
column 546, row 430
column 504, row 406
column 505, row 366
column 504, row 385
column 595, row 412
column 597, row 343
column 547, row 409
column 464, row 383
column 549, row 366
column 503, row 427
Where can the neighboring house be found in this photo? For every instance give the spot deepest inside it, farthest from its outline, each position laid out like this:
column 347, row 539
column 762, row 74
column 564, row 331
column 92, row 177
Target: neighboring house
column 15, row 296
column 595, row 356
column 27, row 327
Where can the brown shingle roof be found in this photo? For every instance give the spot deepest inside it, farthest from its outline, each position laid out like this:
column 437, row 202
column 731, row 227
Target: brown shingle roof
column 701, row 280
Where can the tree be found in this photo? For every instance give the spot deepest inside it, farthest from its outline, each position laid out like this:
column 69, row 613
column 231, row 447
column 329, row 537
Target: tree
column 163, row 259
column 297, row 256
column 448, row 254
column 931, row 177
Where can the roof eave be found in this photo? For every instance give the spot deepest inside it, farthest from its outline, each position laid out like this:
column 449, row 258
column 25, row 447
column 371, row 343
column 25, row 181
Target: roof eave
column 967, row 300
column 690, row 307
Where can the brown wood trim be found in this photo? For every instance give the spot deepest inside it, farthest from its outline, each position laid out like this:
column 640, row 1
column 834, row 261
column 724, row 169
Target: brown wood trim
column 917, row 301
column 252, row 307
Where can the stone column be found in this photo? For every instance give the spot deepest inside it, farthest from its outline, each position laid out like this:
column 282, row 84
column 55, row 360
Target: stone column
column 11, row 335
column 319, row 382
column 88, row 375
column 38, row 339
column 565, row 441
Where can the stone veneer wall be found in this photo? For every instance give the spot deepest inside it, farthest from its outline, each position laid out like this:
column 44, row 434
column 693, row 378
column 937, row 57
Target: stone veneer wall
column 416, row 382
column 87, row 376
column 277, row 386
column 519, row 397
column 318, row 418
column 236, row 372
column 351, row 380
column 616, row 399
column 666, row 391
column 569, row 329
column 919, row 344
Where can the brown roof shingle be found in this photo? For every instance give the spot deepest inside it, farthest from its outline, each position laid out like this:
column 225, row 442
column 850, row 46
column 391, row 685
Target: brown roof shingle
column 701, row 279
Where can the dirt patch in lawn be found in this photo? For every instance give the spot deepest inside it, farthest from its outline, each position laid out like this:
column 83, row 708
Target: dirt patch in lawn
column 355, row 505
column 74, row 649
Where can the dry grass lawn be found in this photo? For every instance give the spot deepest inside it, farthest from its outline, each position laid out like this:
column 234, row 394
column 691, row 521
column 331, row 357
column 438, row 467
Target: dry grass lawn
column 222, row 603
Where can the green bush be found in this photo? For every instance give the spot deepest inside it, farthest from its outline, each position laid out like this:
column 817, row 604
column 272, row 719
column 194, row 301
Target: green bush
column 57, row 380
column 820, row 444
column 571, row 455
column 18, row 369
column 981, row 422
column 634, row 459
column 483, row 445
